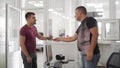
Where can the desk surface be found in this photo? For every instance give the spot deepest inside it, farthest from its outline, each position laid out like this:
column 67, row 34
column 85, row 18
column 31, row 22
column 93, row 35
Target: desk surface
column 60, row 43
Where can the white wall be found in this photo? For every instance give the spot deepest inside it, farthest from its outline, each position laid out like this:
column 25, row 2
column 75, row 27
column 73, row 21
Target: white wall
column 106, row 50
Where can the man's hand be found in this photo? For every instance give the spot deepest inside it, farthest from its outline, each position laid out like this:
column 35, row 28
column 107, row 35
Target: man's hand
column 58, row 39
column 89, row 56
column 50, row 37
column 29, row 59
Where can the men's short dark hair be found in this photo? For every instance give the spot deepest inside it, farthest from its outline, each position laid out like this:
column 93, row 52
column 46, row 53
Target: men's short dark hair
column 28, row 14
column 83, row 9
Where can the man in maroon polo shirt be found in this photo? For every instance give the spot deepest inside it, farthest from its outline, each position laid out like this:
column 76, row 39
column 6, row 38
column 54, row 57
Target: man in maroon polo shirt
column 28, row 34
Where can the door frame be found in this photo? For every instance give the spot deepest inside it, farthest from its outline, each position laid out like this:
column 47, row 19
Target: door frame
column 6, row 32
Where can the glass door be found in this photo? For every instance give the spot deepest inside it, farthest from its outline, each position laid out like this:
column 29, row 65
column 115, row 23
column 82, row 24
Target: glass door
column 2, row 35
column 13, row 25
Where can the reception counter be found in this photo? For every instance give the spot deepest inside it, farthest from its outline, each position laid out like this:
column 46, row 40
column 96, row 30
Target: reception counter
column 67, row 49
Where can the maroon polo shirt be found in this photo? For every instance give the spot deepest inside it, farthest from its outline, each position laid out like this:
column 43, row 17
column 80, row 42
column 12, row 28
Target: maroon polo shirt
column 30, row 34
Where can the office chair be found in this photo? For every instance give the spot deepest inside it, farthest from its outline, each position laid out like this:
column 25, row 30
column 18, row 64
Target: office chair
column 114, row 60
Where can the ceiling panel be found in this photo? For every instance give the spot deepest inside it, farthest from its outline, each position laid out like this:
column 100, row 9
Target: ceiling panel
column 32, row 4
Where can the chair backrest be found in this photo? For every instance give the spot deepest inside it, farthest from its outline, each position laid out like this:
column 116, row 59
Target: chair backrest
column 114, row 60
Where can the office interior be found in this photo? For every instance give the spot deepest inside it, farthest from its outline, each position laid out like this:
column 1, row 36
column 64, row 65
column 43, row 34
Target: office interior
column 55, row 17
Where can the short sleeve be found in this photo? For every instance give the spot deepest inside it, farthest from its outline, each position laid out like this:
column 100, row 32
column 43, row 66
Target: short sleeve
column 35, row 29
column 77, row 30
column 91, row 22
column 23, row 32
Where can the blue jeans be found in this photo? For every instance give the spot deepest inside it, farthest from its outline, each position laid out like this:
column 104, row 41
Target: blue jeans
column 90, row 64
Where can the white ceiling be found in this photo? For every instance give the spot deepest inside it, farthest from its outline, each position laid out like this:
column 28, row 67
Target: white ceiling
column 92, row 5
column 98, row 5
column 32, row 4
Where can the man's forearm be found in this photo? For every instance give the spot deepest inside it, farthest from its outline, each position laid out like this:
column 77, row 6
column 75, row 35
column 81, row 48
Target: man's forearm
column 24, row 50
column 43, row 38
column 68, row 39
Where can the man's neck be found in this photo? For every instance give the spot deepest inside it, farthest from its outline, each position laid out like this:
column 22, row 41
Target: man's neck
column 83, row 18
column 29, row 25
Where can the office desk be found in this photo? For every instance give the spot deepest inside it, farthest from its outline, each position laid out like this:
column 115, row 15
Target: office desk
column 67, row 49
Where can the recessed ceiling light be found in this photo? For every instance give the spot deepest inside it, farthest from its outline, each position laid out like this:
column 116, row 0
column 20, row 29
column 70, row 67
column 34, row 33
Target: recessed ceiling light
column 116, row 2
column 51, row 10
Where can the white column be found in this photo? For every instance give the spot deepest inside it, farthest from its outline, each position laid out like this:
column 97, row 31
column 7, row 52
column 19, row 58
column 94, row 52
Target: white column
column 112, row 9
column 46, row 6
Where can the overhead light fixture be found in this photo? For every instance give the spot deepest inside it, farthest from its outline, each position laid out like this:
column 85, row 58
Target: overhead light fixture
column 50, row 10
column 116, row 2
column 41, row 2
column 36, row 3
column 59, row 9
column 100, row 13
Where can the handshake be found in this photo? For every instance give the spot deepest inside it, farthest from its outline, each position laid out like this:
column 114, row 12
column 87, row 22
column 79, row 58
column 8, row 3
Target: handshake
column 55, row 39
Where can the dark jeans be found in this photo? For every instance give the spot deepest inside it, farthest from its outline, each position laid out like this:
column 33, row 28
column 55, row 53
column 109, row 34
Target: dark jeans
column 34, row 60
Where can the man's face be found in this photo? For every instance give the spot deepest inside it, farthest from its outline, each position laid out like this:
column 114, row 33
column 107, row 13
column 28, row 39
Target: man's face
column 78, row 15
column 32, row 19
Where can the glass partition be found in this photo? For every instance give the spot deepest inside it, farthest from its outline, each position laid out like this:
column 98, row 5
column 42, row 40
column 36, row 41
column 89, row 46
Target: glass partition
column 111, row 29
column 13, row 47
column 61, row 17
column 13, row 27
